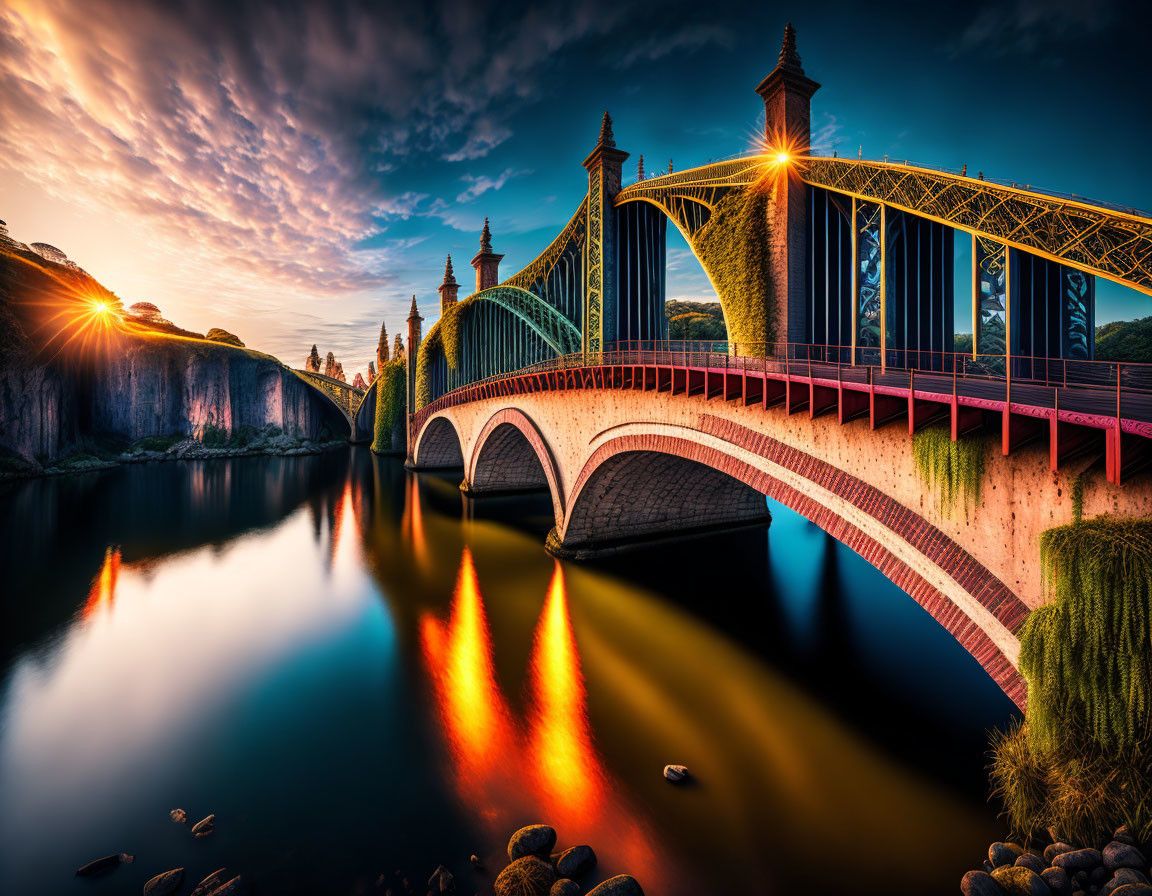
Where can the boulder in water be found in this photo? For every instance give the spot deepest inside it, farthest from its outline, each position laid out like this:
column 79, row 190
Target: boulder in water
column 576, row 862
column 620, row 885
column 165, row 884
column 527, row 876
column 675, row 773
column 533, row 840
column 204, row 826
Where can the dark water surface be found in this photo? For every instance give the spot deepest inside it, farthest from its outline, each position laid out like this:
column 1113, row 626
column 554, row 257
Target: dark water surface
column 359, row 671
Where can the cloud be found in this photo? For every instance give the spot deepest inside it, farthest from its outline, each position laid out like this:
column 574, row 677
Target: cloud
column 478, row 186
column 485, row 137
column 264, row 137
column 687, row 39
column 1024, row 26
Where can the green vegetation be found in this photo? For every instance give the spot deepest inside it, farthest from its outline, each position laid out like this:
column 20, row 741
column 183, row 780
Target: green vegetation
column 391, row 387
column 955, row 470
column 695, row 320
column 962, row 343
column 157, row 443
column 1125, row 340
column 218, row 335
column 1082, row 761
column 733, row 250
column 425, row 358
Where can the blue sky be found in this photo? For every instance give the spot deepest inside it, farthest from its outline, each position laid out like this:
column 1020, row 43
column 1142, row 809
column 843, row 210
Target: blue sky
column 295, row 172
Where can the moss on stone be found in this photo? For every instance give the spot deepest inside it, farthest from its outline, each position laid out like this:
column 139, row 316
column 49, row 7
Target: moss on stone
column 425, row 358
column 953, row 470
column 733, row 248
column 391, row 389
column 1083, row 759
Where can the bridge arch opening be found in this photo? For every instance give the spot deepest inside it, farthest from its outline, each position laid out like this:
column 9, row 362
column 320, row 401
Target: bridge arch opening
column 507, row 462
column 439, row 446
column 637, row 496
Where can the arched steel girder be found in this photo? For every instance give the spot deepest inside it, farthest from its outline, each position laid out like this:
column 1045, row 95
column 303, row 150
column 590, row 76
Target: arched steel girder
column 1112, row 243
column 559, row 333
column 541, row 266
column 346, row 398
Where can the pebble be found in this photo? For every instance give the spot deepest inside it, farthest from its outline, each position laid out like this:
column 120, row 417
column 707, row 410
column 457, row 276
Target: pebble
column 1001, row 854
column 1123, row 855
column 565, row 887
column 165, row 884
column 1021, row 881
column 1078, row 860
column 104, row 863
column 620, row 885
column 533, row 840
column 1133, row 890
column 228, row 889
column 675, row 773
column 980, row 883
column 1034, row 863
column 1054, row 849
column 210, row 883
column 1058, row 881
column 441, row 880
column 204, row 826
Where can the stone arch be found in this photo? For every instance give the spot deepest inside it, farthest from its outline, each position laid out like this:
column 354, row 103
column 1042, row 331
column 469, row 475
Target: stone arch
column 634, row 491
column 364, row 420
column 510, row 454
column 439, row 445
column 976, row 608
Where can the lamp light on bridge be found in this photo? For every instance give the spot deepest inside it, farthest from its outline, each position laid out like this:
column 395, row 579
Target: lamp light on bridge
column 783, row 158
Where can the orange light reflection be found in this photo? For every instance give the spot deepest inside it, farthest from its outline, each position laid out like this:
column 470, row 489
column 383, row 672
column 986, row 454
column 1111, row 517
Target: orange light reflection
column 102, row 594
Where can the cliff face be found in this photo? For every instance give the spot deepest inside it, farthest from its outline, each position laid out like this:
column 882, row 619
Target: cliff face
column 131, row 383
column 37, row 412
column 161, row 387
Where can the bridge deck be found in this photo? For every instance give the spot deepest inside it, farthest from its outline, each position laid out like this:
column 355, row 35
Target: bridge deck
column 1087, row 417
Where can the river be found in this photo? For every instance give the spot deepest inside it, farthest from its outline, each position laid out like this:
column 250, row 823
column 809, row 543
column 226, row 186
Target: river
column 361, row 672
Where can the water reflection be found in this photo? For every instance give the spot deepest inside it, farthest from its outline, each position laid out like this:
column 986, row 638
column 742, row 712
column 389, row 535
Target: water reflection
column 356, row 677
column 543, row 766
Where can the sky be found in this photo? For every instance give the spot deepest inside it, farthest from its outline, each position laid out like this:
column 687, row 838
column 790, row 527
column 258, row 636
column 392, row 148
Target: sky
column 294, row 172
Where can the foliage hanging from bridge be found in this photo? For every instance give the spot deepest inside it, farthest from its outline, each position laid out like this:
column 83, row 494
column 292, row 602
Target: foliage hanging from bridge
column 451, row 330
column 733, row 248
column 391, row 389
column 953, row 470
column 430, row 347
column 1083, row 759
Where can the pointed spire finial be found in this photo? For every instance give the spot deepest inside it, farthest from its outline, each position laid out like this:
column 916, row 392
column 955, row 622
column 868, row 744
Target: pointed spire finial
column 449, row 275
column 606, row 138
column 669, row 166
column 486, row 238
column 412, row 312
column 789, row 58
column 640, row 168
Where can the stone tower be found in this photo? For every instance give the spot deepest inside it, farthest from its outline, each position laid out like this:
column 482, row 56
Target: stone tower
column 604, row 166
column 382, row 347
column 486, row 262
column 787, row 96
column 448, row 289
column 398, row 347
column 415, row 336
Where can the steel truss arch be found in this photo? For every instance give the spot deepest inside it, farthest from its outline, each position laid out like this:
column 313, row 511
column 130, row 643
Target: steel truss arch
column 1096, row 239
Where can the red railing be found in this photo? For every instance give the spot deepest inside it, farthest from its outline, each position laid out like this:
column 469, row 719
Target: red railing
column 1110, row 389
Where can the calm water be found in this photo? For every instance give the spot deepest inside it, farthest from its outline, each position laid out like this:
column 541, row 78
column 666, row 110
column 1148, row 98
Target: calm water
column 360, row 672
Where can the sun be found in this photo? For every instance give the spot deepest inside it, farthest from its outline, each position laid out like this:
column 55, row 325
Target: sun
column 783, row 158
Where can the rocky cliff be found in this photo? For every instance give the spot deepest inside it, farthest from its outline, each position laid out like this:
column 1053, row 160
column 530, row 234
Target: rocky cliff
column 119, row 383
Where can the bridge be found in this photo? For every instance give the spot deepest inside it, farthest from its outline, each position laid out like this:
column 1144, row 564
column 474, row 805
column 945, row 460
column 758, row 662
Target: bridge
column 347, row 398
column 836, row 280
